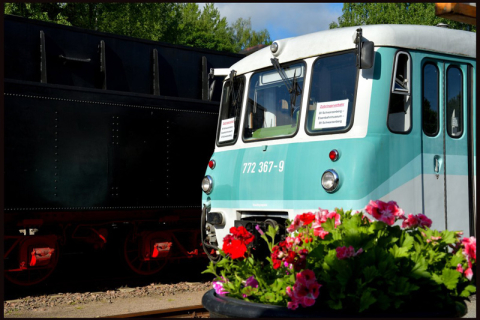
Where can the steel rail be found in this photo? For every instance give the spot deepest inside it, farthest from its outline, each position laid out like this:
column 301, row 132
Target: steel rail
column 197, row 311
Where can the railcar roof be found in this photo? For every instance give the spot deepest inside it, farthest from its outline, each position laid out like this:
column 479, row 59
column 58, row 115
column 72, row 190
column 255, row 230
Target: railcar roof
column 427, row 38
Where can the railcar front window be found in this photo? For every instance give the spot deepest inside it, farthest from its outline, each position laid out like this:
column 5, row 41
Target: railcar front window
column 231, row 106
column 272, row 110
column 332, row 94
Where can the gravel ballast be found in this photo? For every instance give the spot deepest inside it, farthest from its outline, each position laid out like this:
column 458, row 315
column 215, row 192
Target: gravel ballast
column 108, row 303
column 122, row 300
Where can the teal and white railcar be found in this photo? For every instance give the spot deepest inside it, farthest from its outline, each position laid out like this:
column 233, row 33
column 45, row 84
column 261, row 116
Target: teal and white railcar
column 340, row 117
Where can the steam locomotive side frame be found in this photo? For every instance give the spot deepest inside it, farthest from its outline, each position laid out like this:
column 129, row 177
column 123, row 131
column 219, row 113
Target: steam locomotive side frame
column 104, row 138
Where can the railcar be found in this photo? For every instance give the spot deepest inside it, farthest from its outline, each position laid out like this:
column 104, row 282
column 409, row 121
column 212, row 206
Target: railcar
column 340, row 117
column 104, row 136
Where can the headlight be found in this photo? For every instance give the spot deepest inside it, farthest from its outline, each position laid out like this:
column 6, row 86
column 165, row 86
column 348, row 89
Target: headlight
column 330, row 180
column 207, row 184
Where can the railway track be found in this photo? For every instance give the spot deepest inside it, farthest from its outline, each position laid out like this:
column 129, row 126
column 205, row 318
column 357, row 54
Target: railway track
column 197, row 311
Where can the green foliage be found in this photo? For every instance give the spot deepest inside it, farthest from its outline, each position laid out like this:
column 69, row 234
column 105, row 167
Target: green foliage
column 420, row 13
column 396, row 270
column 50, row 12
column 176, row 23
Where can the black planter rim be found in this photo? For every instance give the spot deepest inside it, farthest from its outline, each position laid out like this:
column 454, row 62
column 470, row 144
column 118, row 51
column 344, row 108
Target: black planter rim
column 236, row 308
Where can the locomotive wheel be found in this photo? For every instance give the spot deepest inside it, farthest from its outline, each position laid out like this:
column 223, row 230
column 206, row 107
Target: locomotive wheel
column 133, row 256
column 210, row 250
column 35, row 275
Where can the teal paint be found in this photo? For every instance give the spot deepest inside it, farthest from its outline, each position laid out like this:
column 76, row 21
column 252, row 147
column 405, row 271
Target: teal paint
column 369, row 168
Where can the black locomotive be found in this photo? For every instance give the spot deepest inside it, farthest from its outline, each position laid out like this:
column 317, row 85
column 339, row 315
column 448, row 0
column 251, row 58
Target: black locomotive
column 106, row 136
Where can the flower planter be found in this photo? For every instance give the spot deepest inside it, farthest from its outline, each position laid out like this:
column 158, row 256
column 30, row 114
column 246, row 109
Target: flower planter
column 225, row 307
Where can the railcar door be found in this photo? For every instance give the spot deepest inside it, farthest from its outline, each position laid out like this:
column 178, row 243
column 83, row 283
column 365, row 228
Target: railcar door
column 447, row 101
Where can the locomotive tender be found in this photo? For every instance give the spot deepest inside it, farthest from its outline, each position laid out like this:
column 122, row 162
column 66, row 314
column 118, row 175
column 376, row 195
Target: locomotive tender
column 105, row 137
column 340, row 117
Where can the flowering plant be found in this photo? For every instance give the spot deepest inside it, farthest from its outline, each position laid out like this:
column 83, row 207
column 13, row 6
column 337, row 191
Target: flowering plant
column 348, row 261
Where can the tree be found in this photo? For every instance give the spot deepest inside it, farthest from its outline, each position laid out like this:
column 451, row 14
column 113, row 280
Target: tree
column 244, row 37
column 50, row 12
column 420, row 13
column 176, row 23
column 204, row 29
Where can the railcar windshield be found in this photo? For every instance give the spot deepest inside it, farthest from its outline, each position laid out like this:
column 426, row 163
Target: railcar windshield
column 230, row 108
column 332, row 94
column 272, row 110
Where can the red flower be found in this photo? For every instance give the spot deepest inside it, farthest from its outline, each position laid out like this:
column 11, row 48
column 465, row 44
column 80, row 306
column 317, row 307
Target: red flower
column 307, row 218
column 241, row 233
column 235, row 244
column 235, row 248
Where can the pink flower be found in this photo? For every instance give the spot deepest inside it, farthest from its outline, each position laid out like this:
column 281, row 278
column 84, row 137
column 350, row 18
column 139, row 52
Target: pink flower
column 292, row 305
column 419, row 220
column 459, row 268
column 321, row 217
column 424, row 221
column 345, row 253
column 218, row 286
column 259, row 230
column 305, row 290
column 296, row 224
column 469, row 274
column 251, row 282
column 387, row 212
column 470, row 248
column 410, row 222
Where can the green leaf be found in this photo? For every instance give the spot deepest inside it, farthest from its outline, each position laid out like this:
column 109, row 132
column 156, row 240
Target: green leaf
column 367, row 299
column 370, row 273
column 450, row 278
column 335, row 304
column 398, row 252
column 224, row 262
column 269, row 296
column 468, row 291
column 420, row 269
column 384, row 301
column 437, row 278
column 403, row 287
column 317, row 253
column 407, row 241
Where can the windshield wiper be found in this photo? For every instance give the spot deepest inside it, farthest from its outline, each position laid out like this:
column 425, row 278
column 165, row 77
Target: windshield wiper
column 292, row 87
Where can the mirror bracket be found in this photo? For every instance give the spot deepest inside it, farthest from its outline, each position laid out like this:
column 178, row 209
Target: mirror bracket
column 364, row 51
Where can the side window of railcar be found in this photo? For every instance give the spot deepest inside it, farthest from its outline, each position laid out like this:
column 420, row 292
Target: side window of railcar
column 454, row 114
column 272, row 109
column 332, row 94
column 400, row 109
column 430, row 94
column 231, row 105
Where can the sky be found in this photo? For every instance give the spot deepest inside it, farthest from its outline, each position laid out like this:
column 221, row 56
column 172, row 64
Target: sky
column 282, row 20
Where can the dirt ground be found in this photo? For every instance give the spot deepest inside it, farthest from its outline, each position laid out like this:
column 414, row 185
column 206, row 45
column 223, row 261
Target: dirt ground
column 112, row 307
column 136, row 304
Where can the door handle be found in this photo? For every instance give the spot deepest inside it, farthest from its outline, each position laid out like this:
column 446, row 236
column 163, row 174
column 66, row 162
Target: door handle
column 437, row 164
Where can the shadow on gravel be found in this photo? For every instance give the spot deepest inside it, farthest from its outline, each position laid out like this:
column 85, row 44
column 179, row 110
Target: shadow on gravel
column 106, row 270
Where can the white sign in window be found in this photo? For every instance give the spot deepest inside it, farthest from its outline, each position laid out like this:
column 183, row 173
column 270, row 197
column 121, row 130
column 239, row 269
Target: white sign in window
column 227, row 130
column 331, row 114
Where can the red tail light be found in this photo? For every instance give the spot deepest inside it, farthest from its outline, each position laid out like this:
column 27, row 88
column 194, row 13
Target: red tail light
column 211, row 164
column 333, row 155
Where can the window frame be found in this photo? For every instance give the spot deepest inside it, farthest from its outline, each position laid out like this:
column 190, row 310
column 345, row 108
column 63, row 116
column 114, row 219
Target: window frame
column 354, row 102
column 391, row 91
column 219, row 120
column 305, row 65
column 439, row 100
column 453, row 65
